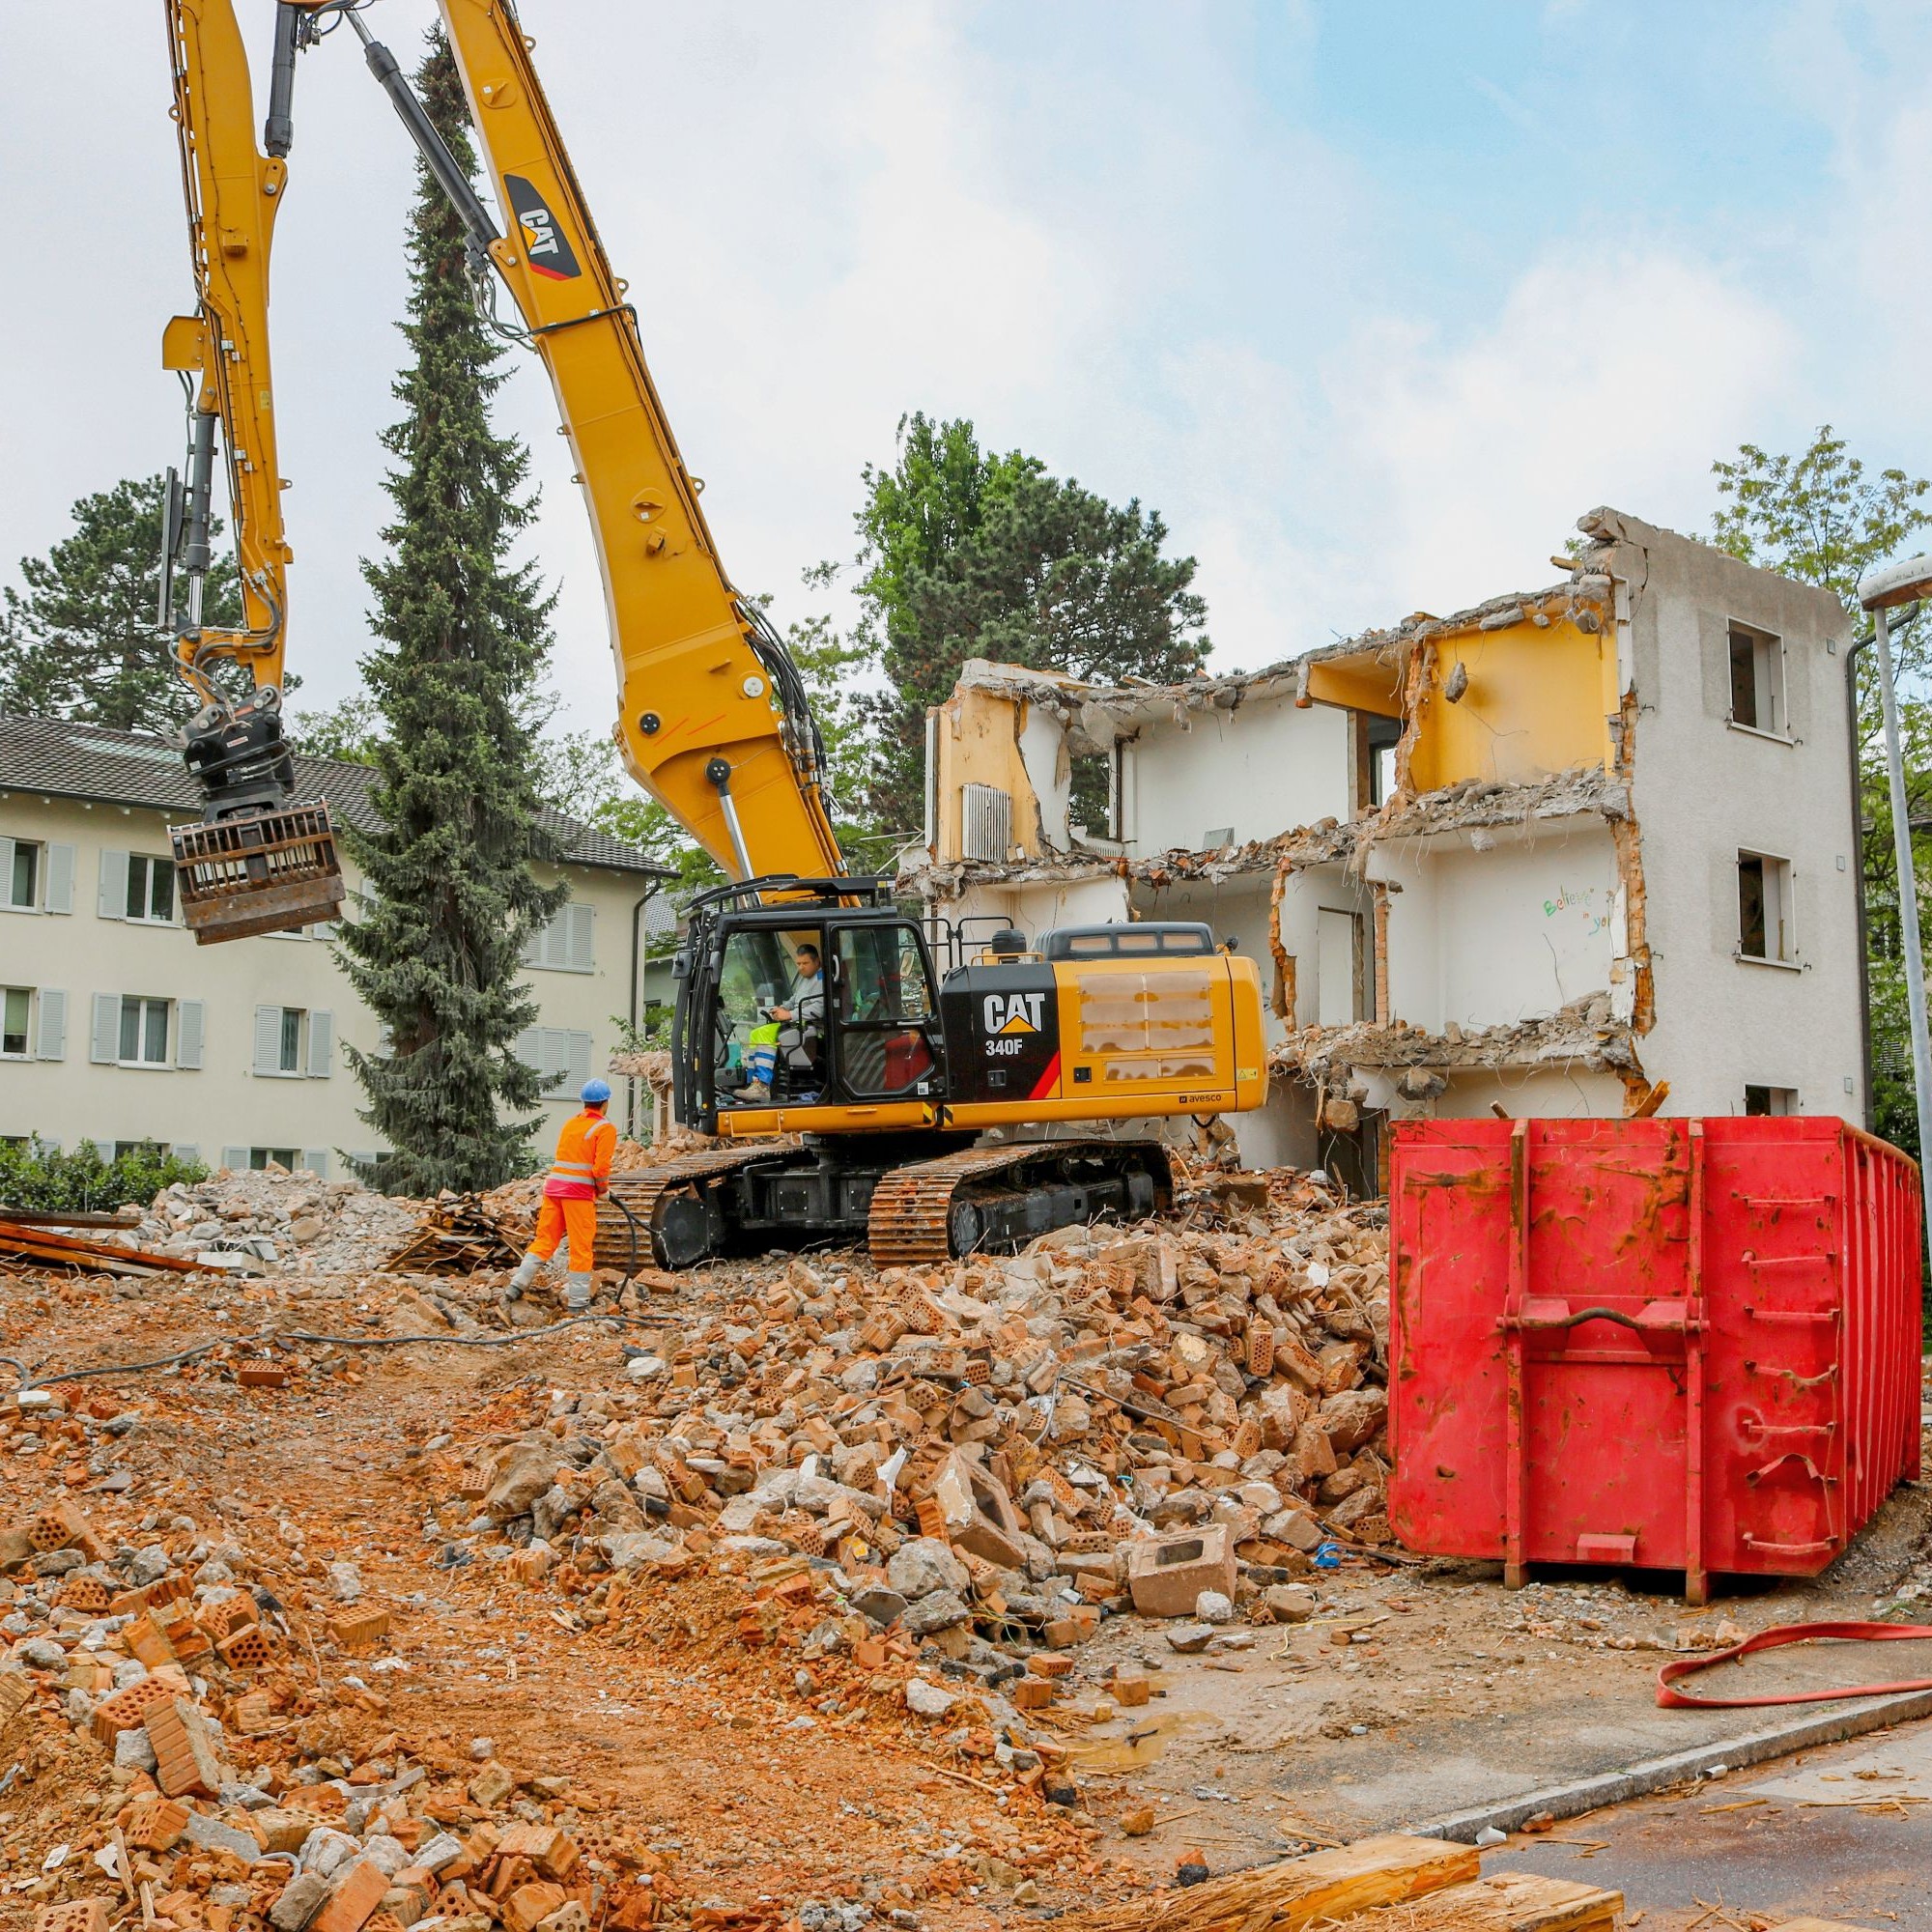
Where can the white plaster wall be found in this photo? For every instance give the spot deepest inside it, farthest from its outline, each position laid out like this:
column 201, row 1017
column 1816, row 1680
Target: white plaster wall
column 224, row 1102
column 1704, row 791
column 1304, row 895
column 1264, row 768
column 1043, row 743
column 1490, row 938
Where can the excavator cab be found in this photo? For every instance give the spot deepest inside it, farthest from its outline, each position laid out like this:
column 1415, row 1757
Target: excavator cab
column 814, row 998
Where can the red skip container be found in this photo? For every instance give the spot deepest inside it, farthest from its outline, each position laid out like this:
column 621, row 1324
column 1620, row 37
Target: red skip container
column 1672, row 1343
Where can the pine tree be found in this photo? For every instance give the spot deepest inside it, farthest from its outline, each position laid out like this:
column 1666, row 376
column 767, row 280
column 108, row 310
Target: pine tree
column 435, row 952
column 83, row 643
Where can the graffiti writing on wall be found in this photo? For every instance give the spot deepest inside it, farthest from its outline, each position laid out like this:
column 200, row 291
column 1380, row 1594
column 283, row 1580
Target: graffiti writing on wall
column 1586, row 903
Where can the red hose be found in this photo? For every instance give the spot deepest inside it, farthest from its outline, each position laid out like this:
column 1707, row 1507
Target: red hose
column 1776, row 1638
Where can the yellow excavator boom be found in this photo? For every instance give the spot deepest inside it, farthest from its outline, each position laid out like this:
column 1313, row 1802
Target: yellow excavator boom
column 234, row 193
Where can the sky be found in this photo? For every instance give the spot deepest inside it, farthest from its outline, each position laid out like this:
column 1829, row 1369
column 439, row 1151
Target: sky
column 1371, row 300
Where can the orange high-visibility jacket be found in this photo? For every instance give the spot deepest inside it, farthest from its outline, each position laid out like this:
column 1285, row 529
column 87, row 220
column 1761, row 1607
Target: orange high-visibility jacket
column 584, row 1152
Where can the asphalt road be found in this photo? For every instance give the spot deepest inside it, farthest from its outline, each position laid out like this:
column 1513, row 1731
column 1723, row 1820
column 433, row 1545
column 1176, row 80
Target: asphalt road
column 1843, row 1833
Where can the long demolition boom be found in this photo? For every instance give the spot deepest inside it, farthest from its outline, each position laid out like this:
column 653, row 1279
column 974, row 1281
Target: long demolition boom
column 714, row 720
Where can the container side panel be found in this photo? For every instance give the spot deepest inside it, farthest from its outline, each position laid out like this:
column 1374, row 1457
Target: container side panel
column 1449, row 1245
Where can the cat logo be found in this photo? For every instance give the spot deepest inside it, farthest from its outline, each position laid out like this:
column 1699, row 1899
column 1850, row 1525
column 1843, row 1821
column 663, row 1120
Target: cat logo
column 544, row 244
column 1014, row 1013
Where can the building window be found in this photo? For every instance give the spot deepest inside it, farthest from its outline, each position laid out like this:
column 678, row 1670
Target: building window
column 567, row 943
column 261, row 1157
column 116, row 1150
column 14, row 1000
column 288, row 1059
column 1757, row 681
column 151, row 889
column 144, row 1031
column 293, row 1042
column 1765, row 929
column 1770, row 1100
column 22, row 880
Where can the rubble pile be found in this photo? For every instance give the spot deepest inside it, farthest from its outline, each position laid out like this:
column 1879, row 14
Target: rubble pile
column 266, row 1220
column 977, row 1464
column 209, row 1722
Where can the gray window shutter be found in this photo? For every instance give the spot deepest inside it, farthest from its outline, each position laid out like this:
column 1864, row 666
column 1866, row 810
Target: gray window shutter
column 533, row 954
column 59, row 878
column 235, row 1157
column 6, row 871
column 385, row 1046
column 51, row 1043
column 191, row 1017
column 316, row 1160
column 185, row 1151
column 529, row 1050
column 268, row 1040
column 577, row 1063
column 107, row 1029
column 583, row 932
column 321, row 1045
column 113, row 885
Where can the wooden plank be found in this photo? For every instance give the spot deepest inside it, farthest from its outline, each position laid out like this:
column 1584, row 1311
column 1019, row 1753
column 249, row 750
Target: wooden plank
column 1819, row 1925
column 1506, row 1902
column 38, row 1241
column 1295, row 1893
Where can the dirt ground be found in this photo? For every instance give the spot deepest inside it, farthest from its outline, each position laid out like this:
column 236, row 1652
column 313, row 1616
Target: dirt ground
column 750, row 1780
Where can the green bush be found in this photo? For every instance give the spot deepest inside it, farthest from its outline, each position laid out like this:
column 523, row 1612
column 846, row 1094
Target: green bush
column 39, row 1177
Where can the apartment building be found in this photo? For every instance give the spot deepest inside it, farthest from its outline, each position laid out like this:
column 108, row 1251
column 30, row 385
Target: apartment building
column 1581, row 851
column 116, row 1027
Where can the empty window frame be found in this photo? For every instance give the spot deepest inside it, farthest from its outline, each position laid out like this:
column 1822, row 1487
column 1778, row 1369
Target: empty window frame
column 1757, row 681
column 1766, row 932
column 151, row 889
column 15, row 1003
column 1770, row 1100
column 144, row 1031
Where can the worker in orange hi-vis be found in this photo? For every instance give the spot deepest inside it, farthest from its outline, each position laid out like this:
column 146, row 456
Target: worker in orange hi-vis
column 576, row 1176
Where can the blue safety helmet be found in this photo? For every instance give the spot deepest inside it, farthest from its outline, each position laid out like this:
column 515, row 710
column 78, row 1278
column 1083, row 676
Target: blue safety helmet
column 595, row 1092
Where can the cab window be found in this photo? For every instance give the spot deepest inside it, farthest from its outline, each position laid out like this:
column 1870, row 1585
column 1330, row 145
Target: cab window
column 885, row 1010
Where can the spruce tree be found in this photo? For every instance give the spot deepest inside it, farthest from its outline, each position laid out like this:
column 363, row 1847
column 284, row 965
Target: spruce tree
column 462, row 630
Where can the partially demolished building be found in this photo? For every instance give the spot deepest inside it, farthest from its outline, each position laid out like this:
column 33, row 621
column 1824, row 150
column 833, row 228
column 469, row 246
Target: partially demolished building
column 1586, row 851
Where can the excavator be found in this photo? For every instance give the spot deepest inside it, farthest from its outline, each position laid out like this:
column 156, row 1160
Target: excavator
column 872, row 1075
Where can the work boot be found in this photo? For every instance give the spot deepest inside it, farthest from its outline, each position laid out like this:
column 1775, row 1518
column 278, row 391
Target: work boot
column 577, row 1292
column 527, row 1272
column 756, row 1093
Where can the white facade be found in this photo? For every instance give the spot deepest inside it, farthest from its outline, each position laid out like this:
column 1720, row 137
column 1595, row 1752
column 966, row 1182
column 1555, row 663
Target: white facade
column 120, row 1028
column 1549, row 855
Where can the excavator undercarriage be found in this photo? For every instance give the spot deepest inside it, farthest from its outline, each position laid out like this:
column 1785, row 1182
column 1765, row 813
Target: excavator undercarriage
column 917, row 1199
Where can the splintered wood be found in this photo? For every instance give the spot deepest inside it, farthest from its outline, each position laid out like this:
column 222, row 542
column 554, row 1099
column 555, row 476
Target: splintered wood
column 1377, row 1885
column 460, row 1235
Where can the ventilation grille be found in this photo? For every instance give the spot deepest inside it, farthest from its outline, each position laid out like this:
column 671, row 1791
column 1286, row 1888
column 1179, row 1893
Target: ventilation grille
column 985, row 823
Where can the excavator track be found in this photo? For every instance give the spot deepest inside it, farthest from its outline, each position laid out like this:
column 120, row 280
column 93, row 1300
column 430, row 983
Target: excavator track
column 645, row 1193
column 915, row 1209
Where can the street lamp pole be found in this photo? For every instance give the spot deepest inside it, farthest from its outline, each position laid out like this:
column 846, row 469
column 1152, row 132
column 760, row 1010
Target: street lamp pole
column 1880, row 591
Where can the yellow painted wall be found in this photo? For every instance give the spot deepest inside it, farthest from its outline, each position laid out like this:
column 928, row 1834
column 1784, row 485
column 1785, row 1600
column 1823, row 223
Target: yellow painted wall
column 979, row 744
column 1539, row 701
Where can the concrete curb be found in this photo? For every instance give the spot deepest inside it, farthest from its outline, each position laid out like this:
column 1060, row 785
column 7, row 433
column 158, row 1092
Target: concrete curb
column 1825, row 1726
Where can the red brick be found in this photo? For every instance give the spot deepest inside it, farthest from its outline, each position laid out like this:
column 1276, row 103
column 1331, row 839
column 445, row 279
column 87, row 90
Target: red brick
column 357, row 1892
column 248, row 1648
column 16, row 1693
column 1167, row 1576
column 549, row 1849
column 262, row 1376
column 80, row 1915
column 523, row 1909
column 355, row 1629
column 187, row 1763
column 157, row 1823
column 127, row 1710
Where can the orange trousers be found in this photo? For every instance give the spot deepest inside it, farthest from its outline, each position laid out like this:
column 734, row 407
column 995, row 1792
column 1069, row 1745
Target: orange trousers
column 576, row 1218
